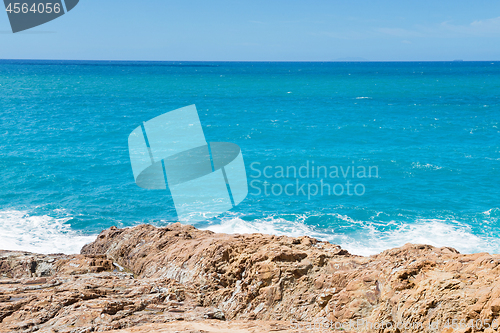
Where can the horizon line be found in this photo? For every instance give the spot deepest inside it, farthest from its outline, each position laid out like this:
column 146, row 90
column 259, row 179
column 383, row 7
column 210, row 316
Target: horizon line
column 250, row 61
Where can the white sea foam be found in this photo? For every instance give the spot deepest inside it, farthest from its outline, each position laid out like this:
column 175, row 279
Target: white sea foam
column 20, row 231
column 417, row 165
column 369, row 240
column 44, row 234
column 270, row 225
column 432, row 232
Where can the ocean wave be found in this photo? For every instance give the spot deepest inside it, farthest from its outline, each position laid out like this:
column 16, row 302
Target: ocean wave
column 23, row 231
column 368, row 238
column 492, row 213
column 20, row 231
column 270, row 225
column 434, row 232
column 417, row 165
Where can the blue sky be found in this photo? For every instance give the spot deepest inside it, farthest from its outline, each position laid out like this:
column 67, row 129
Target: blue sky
column 271, row 30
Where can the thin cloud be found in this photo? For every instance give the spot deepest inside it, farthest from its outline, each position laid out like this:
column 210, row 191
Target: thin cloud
column 477, row 28
column 348, row 35
column 398, row 32
column 447, row 29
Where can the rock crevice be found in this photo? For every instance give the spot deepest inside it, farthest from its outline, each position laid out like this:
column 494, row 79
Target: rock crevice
column 135, row 277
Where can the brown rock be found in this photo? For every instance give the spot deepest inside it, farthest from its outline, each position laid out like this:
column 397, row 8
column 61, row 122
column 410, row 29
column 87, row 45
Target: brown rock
column 146, row 279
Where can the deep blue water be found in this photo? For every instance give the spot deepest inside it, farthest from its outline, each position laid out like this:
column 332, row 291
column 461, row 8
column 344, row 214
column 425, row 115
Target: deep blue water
column 431, row 131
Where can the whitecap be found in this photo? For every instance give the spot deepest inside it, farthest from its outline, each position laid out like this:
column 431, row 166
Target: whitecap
column 20, row 231
column 369, row 239
column 417, row 165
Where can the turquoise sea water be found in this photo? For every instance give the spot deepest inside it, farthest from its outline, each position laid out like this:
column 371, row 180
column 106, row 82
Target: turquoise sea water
column 430, row 130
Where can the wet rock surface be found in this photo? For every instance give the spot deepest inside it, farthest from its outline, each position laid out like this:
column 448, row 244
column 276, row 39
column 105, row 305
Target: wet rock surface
column 178, row 278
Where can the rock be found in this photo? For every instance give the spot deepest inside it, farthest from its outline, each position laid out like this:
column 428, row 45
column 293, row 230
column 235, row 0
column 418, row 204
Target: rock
column 144, row 279
column 217, row 314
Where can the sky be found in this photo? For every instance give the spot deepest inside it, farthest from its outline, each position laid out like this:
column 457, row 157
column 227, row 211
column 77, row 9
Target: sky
column 263, row 30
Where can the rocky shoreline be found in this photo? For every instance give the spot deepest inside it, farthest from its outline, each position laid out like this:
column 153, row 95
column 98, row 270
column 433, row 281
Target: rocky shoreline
column 181, row 279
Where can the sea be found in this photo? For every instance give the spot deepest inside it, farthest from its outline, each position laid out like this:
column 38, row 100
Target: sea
column 367, row 155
